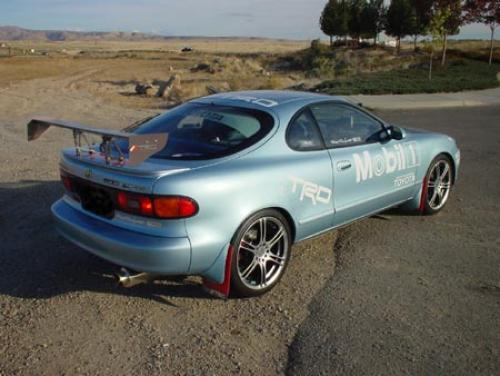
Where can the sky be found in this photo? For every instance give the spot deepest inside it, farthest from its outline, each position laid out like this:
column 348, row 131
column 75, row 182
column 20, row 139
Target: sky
column 291, row 19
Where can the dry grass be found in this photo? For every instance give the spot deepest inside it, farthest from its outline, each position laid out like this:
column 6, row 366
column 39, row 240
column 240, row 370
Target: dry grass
column 470, row 45
column 115, row 67
column 113, row 74
column 17, row 69
column 110, row 70
column 213, row 45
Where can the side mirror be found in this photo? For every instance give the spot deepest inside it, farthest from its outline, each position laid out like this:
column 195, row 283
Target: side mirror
column 396, row 133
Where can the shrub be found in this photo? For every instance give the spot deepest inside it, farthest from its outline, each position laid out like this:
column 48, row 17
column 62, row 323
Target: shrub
column 459, row 75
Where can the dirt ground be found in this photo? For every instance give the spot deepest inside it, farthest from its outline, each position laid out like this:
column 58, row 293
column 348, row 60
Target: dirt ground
column 60, row 310
column 61, row 313
column 210, row 45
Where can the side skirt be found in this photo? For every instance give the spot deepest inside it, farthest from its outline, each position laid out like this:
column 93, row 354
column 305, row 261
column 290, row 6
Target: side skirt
column 347, row 223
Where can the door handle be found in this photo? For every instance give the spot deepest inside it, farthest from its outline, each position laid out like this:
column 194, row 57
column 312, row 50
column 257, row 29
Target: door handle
column 343, row 165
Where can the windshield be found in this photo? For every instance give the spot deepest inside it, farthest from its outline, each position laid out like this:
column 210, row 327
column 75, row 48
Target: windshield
column 205, row 131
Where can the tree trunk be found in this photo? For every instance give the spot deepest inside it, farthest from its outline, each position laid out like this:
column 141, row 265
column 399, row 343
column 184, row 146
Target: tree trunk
column 445, row 46
column 415, row 42
column 331, row 41
column 398, row 45
column 492, row 26
column 430, row 65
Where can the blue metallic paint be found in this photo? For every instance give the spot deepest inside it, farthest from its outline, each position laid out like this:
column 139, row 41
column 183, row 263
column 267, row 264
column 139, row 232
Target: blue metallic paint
column 230, row 189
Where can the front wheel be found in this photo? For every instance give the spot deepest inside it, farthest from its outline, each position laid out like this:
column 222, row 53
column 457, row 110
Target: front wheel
column 437, row 187
column 261, row 253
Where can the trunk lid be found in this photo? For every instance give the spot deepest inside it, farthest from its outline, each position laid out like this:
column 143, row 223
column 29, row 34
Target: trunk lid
column 139, row 178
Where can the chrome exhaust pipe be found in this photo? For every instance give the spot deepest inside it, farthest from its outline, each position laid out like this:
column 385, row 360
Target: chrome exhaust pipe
column 126, row 279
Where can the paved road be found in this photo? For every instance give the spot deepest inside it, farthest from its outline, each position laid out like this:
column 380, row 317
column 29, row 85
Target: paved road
column 418, row 295
column 488, row 97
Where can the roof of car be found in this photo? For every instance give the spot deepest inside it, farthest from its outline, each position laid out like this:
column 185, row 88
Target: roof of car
column 271, row 99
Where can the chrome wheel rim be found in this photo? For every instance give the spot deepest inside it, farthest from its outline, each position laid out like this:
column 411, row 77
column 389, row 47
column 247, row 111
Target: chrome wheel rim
column 439, row 184
column 262, row 253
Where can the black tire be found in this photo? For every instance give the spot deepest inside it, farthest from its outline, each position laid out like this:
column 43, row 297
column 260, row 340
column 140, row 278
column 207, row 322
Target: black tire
column 431, row 204
column 275, row 257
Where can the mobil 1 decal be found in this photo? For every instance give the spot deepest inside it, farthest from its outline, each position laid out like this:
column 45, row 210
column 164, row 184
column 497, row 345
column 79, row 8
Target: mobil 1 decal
column 396, row 158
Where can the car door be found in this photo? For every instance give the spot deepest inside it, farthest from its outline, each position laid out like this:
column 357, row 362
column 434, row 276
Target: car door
column 310, row 176
column 371, row 171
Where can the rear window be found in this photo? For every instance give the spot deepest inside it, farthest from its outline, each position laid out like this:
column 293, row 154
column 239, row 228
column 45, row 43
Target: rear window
column 199, row 131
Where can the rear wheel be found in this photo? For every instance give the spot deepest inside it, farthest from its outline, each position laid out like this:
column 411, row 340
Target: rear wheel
column 437, row 186
column 261, row 253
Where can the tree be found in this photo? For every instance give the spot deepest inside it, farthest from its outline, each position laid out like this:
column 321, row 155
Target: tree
column 334, row 19
column 327, row 20
column 437, row 30
column 484, row 11
column 372, row 19
column 452, row 22
column 355, row 25
column 400, row 20
column 423, row 13
column 342, row 18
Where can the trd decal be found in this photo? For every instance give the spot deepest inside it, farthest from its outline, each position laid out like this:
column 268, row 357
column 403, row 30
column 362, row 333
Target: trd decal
column 398, row 158
column 316, row 193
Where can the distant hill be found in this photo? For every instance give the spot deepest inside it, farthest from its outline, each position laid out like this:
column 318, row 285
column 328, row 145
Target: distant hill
column 11, row 33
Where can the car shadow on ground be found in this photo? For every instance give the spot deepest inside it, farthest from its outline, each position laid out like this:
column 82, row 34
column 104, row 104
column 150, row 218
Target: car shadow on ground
column 36, row 262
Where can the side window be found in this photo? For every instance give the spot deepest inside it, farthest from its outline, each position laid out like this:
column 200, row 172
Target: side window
column 343, row 125
column 303, row 133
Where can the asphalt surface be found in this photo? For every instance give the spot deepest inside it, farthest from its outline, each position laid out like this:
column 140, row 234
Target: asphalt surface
column 488, row 97
column 417, row 295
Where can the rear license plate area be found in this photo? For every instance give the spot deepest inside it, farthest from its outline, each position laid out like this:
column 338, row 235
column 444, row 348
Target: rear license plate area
column 96, row 199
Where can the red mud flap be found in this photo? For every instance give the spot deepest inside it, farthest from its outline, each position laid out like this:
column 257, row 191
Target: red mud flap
column 221, row 290
column 423, row 196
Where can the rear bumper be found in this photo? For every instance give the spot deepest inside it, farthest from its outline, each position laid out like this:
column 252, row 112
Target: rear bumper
column 140, row 252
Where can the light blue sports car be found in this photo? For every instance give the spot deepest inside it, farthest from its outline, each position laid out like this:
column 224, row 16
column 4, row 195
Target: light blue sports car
column 222, row 186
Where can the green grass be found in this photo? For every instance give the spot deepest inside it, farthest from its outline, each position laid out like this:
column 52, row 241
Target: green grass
column 458, row 75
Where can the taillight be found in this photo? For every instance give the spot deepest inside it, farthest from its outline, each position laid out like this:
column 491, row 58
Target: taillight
column 66, row 180
column 175, row 207
column 167, row 207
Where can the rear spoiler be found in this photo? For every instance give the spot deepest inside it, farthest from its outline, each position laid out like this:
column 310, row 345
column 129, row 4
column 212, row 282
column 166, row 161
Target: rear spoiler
column 140, row 146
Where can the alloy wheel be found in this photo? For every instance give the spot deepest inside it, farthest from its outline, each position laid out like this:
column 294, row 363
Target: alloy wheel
column 262, row 253
column 439, row 184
